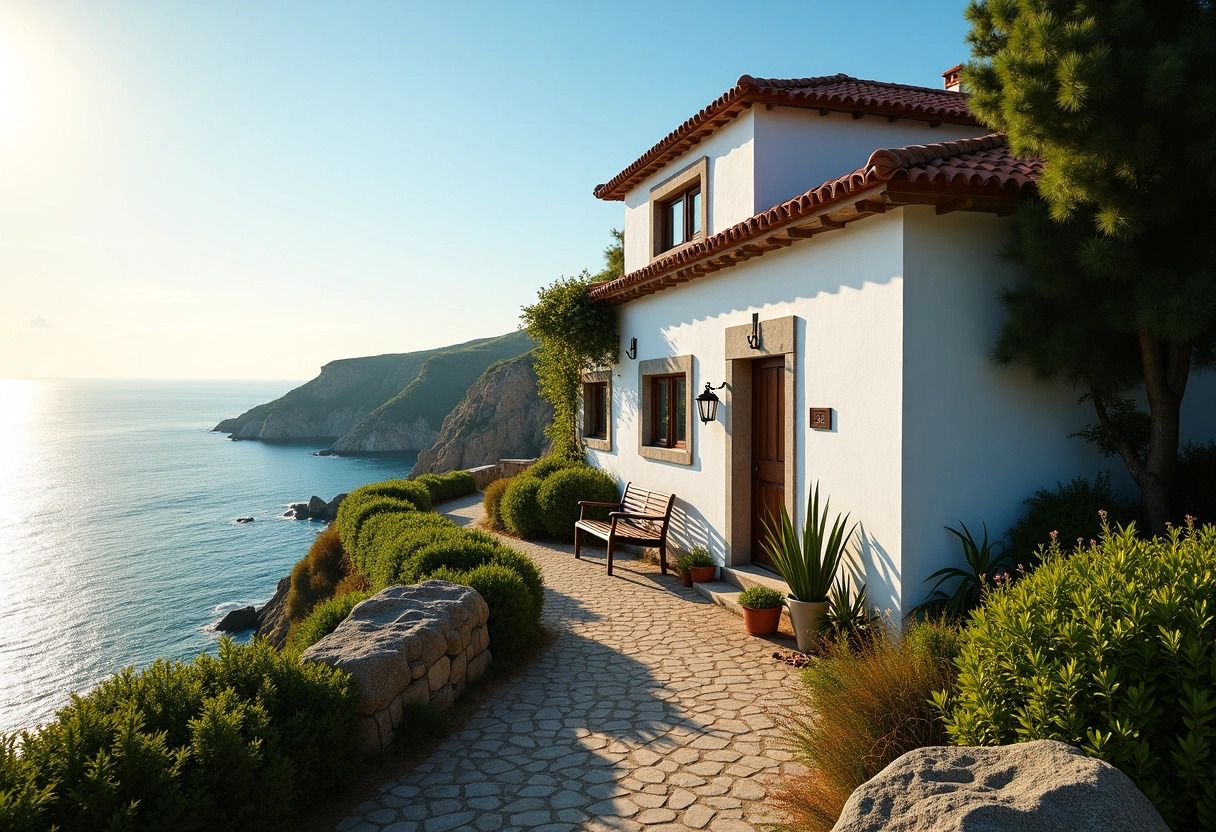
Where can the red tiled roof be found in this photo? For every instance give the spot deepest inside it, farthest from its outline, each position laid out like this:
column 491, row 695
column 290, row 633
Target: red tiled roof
column 840, row 93
column 976, row 173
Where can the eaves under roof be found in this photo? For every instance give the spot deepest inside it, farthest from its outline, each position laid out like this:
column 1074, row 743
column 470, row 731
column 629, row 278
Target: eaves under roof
column 965, row 175
column 828, row 93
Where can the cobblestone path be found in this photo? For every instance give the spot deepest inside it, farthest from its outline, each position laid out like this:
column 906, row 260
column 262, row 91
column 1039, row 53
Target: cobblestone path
column 651, row 710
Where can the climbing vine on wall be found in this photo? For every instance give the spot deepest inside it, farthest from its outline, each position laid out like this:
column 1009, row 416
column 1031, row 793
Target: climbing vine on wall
column 574, row 335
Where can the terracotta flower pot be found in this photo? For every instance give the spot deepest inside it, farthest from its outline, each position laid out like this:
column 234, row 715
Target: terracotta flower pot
column 762, row 622
column 686, row 578
column 702, row 574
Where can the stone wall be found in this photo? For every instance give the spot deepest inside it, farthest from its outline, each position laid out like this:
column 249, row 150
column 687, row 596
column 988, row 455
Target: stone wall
column 408, row 645
column 483, row 475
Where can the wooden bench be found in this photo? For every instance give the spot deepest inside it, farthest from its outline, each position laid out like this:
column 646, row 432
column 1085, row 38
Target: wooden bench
column 640, row 517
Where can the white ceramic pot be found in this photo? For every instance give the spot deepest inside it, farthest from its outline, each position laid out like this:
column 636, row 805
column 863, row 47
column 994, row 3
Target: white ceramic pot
column 805, row 616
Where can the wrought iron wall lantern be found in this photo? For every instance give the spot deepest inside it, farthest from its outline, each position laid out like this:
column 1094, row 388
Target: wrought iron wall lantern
column 632, row 352
column 707, row 403
column 753, row 340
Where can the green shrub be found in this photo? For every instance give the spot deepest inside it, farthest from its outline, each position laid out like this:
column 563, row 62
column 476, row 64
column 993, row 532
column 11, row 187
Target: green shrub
column 448, row 486
column 1113, row 649
column 760, row 598
column 492, row 500
column 867, row 703
column 396, row 539
column 550, row 464
column 1071, row 511
column 512, row 624
column 1197, row 482
column 696, row 557
column 408, row 490
column 560, row 493
column 355, row 511
column 461, row 552
column 237, row 741
column 316, row 575
column 520, row 513
column 323, row 620
column 529, row 573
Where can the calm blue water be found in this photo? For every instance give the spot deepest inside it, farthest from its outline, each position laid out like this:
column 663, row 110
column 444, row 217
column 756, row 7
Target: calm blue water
column 117, row 522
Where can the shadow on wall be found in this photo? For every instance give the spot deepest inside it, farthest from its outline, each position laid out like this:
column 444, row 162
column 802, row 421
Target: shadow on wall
column 882, row 577
column 689, row 529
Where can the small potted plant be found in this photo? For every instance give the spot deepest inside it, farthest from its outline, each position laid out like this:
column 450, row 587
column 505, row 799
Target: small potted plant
column 698, row 564
column 761, row 610
column 683, row 570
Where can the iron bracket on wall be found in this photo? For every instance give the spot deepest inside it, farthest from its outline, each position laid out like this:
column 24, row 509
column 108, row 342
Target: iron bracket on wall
column 632, row 352
column 753, row 340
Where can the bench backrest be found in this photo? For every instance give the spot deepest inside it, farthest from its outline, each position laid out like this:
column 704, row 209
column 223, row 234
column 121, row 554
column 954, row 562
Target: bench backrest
column 640, row 501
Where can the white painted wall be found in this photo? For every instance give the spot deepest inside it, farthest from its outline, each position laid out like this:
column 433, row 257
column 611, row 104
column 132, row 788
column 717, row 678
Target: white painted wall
column 980, row 438
column 846, row 289
column 797, row 149
column 730, row 191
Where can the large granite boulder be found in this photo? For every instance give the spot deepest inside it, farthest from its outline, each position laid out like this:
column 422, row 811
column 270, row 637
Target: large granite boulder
column 1042, row 786
column 408, row 645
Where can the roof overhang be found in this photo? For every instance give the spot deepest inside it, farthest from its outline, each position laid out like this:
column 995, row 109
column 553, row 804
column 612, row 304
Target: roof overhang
column 966, row 175
column 828, row 94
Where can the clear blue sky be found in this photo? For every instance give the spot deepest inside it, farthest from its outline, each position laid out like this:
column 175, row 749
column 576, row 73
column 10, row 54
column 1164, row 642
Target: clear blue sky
column 251, row 189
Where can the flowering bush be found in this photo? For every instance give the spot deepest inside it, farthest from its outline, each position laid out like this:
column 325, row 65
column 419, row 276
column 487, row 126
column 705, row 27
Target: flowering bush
column 1111, row 648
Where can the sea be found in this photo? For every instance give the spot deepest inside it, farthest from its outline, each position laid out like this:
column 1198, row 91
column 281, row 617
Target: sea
column 119, row 540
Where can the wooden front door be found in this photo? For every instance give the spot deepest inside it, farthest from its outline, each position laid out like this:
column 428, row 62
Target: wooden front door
column 768, row 451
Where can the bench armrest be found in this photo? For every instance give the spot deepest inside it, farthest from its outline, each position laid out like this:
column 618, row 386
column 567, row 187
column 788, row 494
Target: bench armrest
column 583, row 505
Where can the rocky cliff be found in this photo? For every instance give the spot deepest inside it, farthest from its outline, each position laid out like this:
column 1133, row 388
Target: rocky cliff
column 379, row 404
column 501, row 417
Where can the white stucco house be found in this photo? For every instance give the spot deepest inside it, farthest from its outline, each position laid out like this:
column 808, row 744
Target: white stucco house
column 829, row 249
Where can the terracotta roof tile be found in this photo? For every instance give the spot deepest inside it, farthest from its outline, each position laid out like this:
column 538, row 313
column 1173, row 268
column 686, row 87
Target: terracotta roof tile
column 841, row 93
column 981, row 166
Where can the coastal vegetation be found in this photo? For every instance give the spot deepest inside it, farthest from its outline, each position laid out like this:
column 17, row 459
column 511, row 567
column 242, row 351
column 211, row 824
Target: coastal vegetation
column 241, row 740
column 866, row 701
column 1110, row 647
column 542, row 502
column 574, row 335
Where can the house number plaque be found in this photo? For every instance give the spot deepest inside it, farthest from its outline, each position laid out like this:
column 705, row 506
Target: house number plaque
column 821, row 418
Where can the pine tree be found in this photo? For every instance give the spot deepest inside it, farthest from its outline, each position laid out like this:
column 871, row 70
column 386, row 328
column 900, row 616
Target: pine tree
column 1119, row 97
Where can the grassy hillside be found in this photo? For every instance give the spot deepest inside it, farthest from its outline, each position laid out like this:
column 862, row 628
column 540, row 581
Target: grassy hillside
column 441, row 384
column 367, row 385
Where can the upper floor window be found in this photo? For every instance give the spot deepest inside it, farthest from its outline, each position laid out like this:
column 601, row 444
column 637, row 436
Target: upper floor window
column 679, row 208
column 682, row 218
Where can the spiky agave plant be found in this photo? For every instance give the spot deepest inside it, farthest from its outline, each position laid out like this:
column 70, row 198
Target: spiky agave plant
column 809, row 562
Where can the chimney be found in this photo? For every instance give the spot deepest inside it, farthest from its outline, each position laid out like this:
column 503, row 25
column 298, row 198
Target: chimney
column 951, row 79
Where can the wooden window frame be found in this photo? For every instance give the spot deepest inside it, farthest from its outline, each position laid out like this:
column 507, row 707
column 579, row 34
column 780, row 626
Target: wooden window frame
column 648, row 372
column 694, row 177
column 672, row 399
column 593, row 379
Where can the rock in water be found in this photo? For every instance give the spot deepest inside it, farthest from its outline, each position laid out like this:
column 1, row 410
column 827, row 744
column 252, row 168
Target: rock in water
column 316, row 508
column 272, row 621
column 331, row 508
column 246, row 618
column 1041, row 786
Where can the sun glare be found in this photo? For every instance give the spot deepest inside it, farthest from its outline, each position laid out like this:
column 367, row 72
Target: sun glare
column 12, row 88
